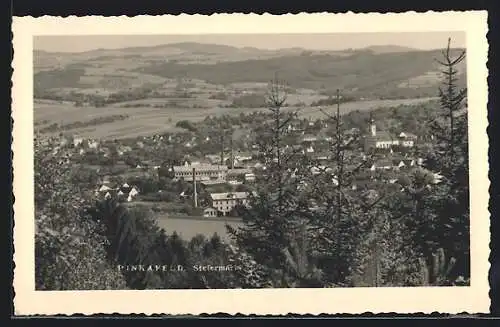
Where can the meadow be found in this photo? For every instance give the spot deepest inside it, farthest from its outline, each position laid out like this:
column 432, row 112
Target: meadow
column 144, row 121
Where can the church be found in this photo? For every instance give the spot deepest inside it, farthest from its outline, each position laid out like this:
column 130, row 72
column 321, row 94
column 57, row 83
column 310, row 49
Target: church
column 385, row 140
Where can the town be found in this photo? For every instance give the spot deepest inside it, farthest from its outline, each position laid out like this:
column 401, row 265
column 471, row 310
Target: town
column 203, row 172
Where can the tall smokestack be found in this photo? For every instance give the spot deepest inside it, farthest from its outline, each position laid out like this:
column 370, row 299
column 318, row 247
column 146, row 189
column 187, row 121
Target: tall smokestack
column 195, row 194
column 222, row 149
column 232, row 154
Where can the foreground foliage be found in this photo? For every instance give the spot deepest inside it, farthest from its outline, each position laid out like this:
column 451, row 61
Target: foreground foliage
column 69, row 250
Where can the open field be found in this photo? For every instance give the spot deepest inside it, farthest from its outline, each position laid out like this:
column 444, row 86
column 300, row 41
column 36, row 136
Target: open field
column 145, row 121
column 187, row 228
column 199, row 101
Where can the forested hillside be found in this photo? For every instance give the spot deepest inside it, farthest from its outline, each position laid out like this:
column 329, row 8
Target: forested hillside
column 362, row 72
column 371, row 73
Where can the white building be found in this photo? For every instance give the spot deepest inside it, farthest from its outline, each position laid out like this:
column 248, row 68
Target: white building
column 437, row 178
column 132, row 194
column 105, row 188
column 202, row 172
column 225, row 202
column 384, row 140
column 309, row 138
column 92, row 144
column 77, row 141
column 249, row 177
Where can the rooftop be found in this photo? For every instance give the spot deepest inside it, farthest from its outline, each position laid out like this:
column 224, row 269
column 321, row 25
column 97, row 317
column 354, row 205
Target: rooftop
column 229, row 195
column 213, row 182
column 407, row 135
column 200, row 167
column 382, row 136
column 237, row 171
column 309, row 137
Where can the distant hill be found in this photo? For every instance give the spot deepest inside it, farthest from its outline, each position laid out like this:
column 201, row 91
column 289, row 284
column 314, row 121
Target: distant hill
column 376, row 71
column 213, row 49
column 185, row 52
column 380, row 49
column 362, row 70
column 203, row 47
column 185, row 47
column 166, row 49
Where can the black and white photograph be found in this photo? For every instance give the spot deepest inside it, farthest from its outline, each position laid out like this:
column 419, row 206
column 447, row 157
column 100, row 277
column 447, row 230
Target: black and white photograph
column 215, row 161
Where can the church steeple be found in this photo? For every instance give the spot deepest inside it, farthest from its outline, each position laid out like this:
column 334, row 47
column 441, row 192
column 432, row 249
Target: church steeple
column 373, row 127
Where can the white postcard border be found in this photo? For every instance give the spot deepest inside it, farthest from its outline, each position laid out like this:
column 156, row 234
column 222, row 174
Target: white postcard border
column 473, row 299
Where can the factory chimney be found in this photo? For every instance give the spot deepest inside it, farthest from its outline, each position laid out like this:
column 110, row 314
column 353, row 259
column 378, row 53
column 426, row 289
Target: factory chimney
column 232, row 154
column 195, row 194
column 222, row 149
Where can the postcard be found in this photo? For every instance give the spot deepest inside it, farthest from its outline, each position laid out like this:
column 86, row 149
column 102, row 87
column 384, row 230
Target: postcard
column 253, row 164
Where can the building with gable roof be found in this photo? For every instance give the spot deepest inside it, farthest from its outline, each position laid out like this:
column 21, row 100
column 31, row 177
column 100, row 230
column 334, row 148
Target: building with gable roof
column 226, row 202
column 202, row 171
column 385, row 140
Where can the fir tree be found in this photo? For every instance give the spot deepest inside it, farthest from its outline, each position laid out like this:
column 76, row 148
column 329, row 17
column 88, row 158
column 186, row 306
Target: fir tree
column 433, row 208
column 276, row 208
column 449, row 158
column 411, row 210
column 342, row 215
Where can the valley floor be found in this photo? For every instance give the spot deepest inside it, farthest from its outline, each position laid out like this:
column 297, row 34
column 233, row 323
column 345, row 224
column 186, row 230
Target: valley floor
column 144, row 121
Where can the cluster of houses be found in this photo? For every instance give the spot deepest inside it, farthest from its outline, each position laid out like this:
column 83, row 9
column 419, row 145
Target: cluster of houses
column 395, row 163
column 124, row 192
column 85, row 145
column 385, row 140
column 238, row 168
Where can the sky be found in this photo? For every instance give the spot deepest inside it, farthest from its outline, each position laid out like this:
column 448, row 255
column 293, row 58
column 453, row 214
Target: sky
column 337, row 41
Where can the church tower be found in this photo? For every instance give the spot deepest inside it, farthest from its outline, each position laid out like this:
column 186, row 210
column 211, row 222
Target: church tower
column 373, row 127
